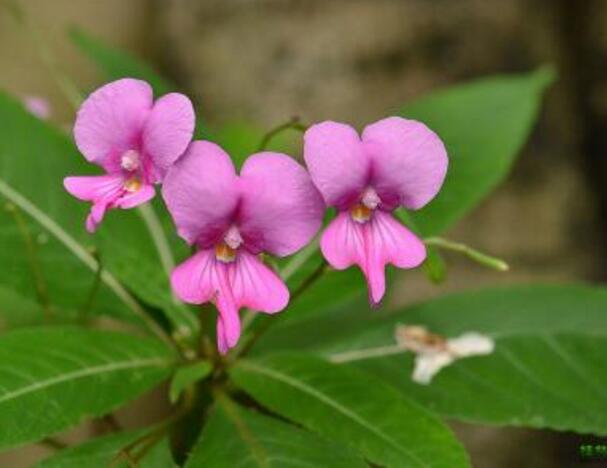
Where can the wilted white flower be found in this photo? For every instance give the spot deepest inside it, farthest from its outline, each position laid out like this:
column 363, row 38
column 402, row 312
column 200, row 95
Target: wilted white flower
column 433, row 352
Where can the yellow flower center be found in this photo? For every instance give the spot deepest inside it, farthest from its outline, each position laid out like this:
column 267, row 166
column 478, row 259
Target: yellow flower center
column 225, row 253
column 132, row 185
column 360, row 213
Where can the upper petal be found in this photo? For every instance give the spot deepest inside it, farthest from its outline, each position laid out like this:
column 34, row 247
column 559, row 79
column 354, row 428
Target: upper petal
column 168, row 130
column 337, row 162
column 409, row 161
column 201, row 193
column 255, row 286
column 111, row 119
column 281, row 209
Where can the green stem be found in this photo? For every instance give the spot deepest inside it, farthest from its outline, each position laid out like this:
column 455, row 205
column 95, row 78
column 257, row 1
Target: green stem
column 152, row 223
column 360, row 354
column 167, row 261
column 293, row 124
column 32, row 256
column 475, row 255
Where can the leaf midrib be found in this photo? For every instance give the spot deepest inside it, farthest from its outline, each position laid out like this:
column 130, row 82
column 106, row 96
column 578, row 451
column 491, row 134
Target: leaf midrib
column 301, row 386
column 77, row 249
column 84, row 372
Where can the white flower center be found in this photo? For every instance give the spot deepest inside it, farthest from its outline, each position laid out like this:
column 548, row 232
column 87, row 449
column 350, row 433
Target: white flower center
column 130, row 160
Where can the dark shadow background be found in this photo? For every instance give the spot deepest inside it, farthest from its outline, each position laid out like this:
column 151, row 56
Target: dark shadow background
column 355, row 61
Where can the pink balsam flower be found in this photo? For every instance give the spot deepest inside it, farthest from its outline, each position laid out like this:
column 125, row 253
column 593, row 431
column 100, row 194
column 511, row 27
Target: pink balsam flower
column 271, row 207
column 134, row 139
column 38, row 106
column 396, row 162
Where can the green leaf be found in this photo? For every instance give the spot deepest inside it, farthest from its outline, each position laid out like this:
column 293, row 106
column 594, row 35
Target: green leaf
column 126, row 241
column 16, row 310
column 117, row 63
column 103, row 452
column 484, row 125
column 187, row 375
column 235, row 436
column 95, row 453
column 546, row 371
column 69, row 374
column 55, row 221
column 345, row 405
column 34, row 159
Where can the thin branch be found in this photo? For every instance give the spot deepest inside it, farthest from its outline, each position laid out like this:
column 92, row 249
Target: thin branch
column 32, row 255
column 53, row 443
column 293, row 124
column 475, row 255
column 165, row 254
column 152, row 223
column 360, row 354
column 112, row 422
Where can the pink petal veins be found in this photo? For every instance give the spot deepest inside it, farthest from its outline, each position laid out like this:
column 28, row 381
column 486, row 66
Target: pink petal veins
column 110, row 120
column 371, row 245
column 107, row 192
column 243, row 282
column 256, row 286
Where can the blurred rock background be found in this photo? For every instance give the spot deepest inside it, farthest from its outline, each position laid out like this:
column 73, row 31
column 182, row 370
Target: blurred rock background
column 356, row 60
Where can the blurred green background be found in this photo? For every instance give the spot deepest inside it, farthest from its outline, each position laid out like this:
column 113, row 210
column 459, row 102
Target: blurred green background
column 355, row 60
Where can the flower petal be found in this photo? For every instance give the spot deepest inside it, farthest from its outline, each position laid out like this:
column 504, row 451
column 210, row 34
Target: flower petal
column 195, row 280
column 168, row 131
column 102, row 191
column 342, row 243
column 470, row 344
column 337, row 162
column 371, row 245
column 256, row 286
column 201, row 193
column 427, row 366
column 280, row 209
column 409, row 161
column 133, row 199
column 111, row 119
column 202, row 278
column 90, row 188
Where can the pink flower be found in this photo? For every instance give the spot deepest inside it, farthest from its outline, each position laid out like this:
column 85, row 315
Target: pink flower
column 271, row 207
column 395, row 162
column 134, row 139
column 38, row 106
